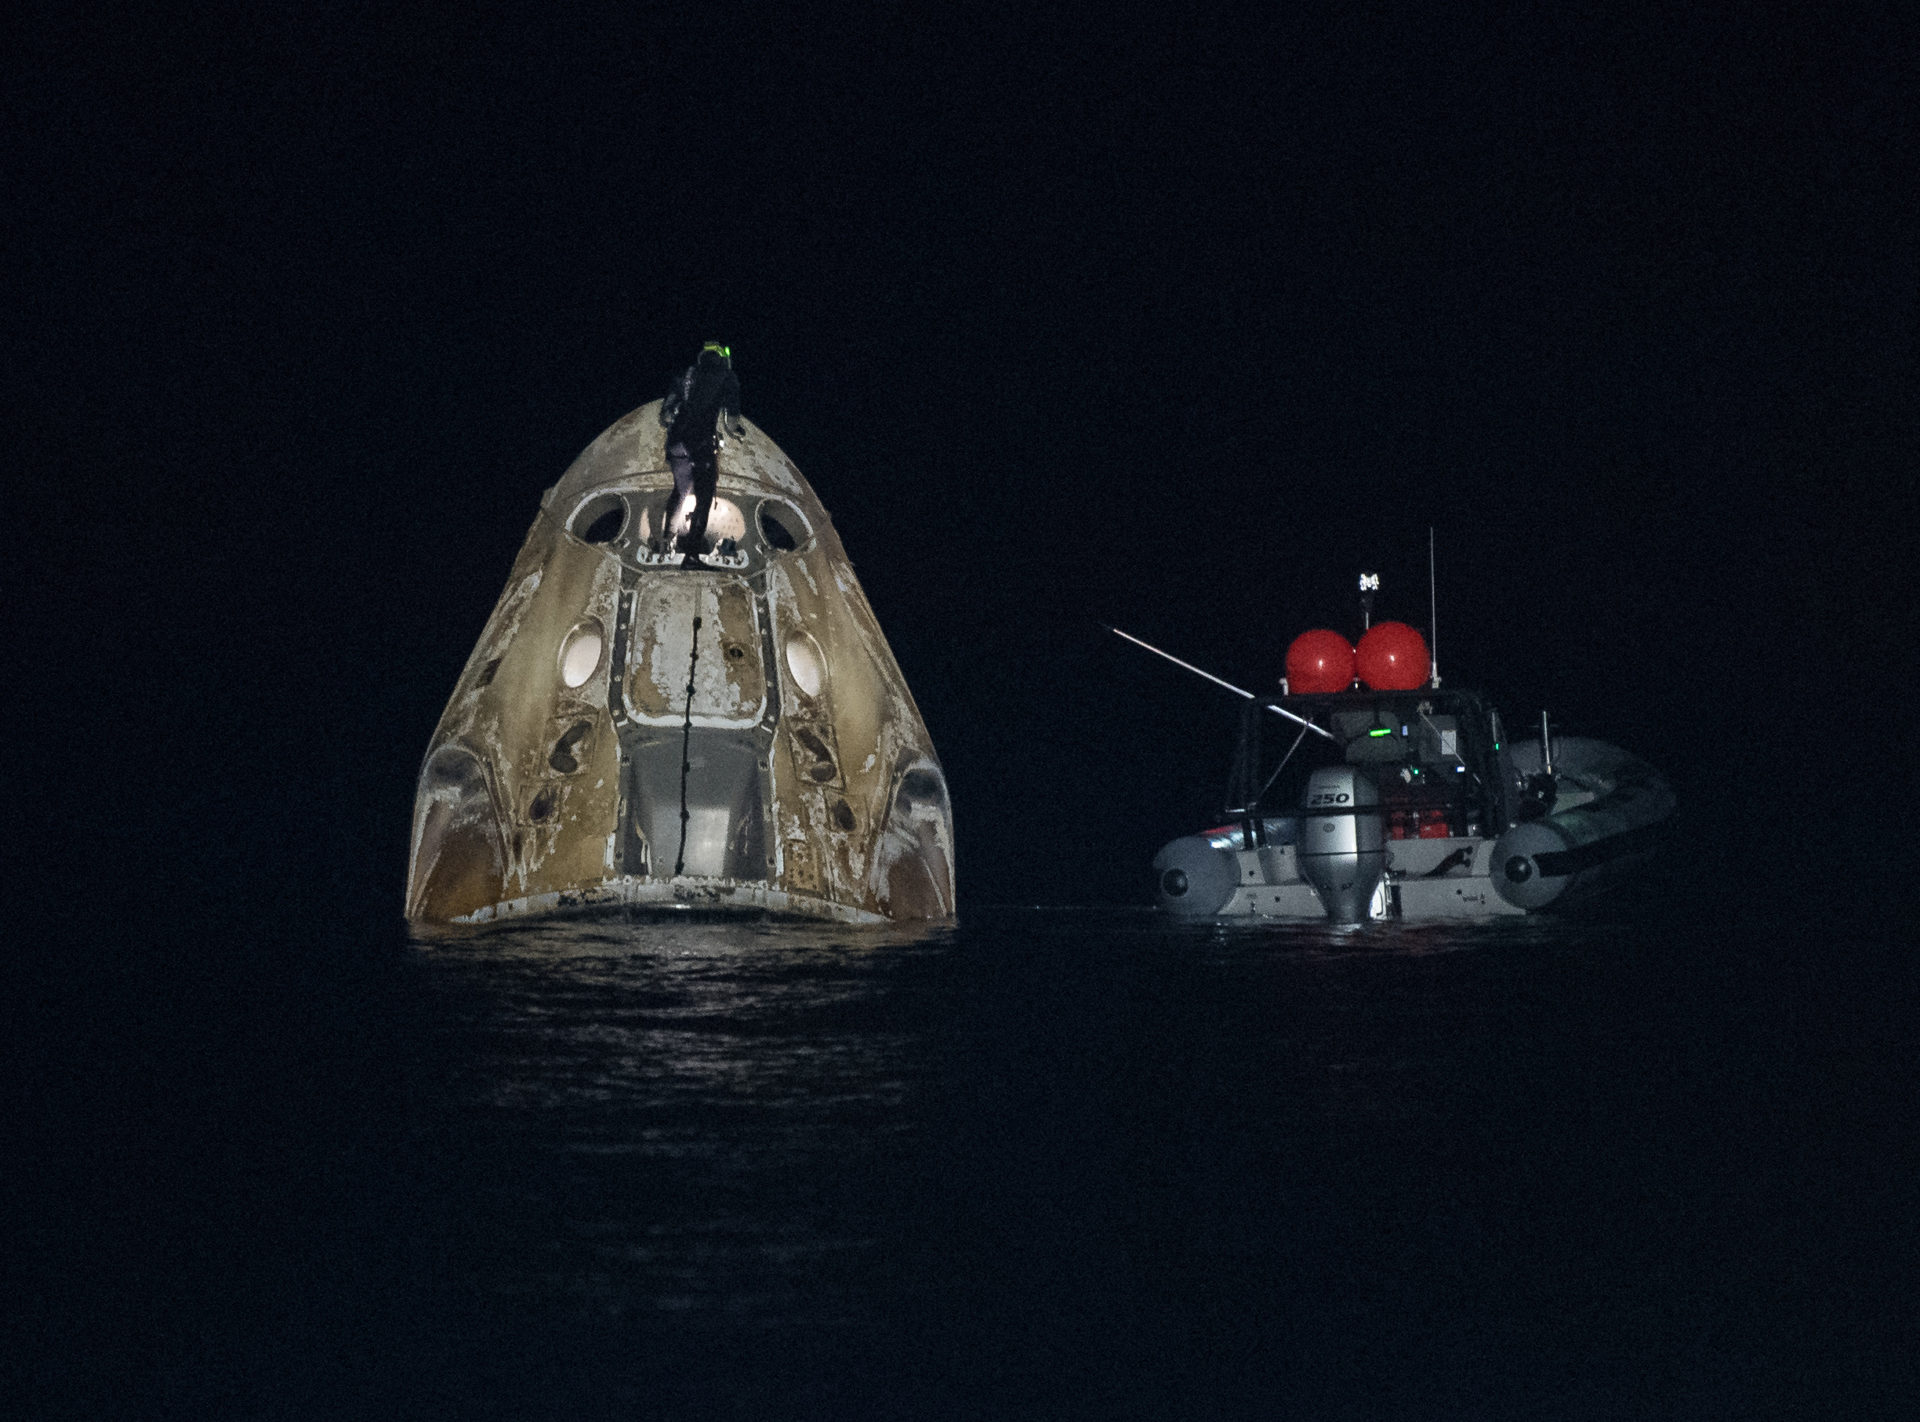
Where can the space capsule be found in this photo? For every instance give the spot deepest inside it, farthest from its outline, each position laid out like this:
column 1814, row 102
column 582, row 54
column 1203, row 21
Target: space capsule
column 635, row 728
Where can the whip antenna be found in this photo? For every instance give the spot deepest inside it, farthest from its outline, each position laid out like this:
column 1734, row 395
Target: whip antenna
column 1433, row 615
column 1236, row 690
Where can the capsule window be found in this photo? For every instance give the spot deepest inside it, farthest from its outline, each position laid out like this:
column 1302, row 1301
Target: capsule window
column 580, row 654
column 601, row 519
column 805, row 663
column 781, row 526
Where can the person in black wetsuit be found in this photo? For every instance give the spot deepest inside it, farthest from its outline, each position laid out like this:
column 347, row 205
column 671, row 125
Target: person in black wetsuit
column 691, row 412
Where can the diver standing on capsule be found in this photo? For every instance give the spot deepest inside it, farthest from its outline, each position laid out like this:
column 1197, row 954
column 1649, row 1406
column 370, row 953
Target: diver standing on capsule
column 705, row 391
column 682, row 700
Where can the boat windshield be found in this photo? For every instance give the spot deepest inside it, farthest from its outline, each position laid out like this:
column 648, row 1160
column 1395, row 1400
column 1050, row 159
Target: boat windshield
column 1431, row 754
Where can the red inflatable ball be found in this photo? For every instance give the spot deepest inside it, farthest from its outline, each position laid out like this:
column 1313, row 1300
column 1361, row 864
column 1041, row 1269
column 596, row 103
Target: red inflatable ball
column 1393, row 657
column 1319, row 661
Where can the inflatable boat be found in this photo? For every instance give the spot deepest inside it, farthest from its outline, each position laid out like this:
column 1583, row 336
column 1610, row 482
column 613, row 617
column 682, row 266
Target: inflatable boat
column 1405, row 801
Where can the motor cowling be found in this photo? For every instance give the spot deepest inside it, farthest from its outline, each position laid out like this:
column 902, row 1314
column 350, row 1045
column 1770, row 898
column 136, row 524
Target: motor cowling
column 1342, row 846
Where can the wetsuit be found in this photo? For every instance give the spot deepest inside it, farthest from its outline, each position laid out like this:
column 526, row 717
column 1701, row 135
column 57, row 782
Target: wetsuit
column 706, row 390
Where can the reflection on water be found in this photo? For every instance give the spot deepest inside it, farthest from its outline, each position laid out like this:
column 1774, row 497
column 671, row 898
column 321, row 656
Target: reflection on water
column 1045, row 1163
column 670, row 1100
column 767, row 1125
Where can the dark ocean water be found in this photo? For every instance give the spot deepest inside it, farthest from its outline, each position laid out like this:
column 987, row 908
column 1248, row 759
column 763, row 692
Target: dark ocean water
column 1048, row 1163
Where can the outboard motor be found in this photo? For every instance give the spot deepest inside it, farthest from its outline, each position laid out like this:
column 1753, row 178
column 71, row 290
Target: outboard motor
column 1342, row 849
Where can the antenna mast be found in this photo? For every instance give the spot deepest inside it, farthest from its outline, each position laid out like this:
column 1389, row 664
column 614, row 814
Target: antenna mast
column 1433, row 616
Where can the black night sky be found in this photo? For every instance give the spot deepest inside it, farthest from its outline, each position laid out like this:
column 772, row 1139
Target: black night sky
column 1174, row 326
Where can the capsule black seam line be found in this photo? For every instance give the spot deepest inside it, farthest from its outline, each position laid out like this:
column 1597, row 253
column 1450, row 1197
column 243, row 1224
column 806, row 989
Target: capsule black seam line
column 686, row 748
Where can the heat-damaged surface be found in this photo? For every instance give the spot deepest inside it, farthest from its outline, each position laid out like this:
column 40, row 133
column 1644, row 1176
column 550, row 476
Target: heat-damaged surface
column 599, row 739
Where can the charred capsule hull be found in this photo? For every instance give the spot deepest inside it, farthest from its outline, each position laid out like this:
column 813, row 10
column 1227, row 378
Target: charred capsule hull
column 631, row 731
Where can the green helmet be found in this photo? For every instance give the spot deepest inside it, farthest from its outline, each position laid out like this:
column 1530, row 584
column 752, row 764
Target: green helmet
column 722, row 351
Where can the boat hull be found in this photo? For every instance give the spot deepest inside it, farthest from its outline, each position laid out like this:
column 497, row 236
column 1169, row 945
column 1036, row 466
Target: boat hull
column 1605, row 819
column 1228, row 880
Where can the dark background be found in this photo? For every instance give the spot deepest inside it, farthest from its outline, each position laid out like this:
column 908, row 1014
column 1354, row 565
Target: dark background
column 1176, row 322
column 1176, row 325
